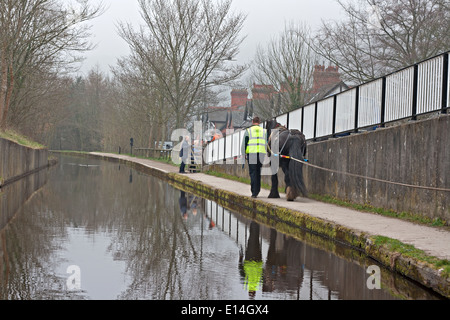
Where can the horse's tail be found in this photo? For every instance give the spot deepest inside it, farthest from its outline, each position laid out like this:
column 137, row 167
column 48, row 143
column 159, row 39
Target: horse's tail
column 297, row 150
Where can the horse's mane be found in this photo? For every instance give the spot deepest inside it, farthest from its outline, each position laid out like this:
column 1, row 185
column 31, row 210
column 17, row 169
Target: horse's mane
column 292, row 133
column 276, row 125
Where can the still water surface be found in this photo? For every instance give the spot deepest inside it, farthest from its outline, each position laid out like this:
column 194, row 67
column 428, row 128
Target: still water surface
column 101, row 230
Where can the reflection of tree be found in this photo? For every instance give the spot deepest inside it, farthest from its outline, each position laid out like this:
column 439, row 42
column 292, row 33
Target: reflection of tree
column 28, row 245
column 25, row 243
column 146, row 229
column 160, row 252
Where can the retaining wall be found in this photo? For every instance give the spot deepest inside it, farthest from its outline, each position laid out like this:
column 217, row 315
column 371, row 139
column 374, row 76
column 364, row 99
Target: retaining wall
column 415, row 153
column 17, row 161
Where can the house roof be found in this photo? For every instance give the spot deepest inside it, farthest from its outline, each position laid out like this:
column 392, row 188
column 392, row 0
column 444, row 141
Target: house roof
column 226, row 117
column 327, row 91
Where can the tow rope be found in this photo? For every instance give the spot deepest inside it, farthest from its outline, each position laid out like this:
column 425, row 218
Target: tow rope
column 306, row 162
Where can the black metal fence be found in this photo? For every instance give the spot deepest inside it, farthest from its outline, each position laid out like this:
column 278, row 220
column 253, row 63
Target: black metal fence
column 404, row 94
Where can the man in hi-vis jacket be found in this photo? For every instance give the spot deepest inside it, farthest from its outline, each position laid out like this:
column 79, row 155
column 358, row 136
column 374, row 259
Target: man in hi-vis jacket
column 254, row 148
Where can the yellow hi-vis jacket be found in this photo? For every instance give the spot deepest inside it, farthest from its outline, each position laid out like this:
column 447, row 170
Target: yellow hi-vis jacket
column 257, row 138
column 253, row 275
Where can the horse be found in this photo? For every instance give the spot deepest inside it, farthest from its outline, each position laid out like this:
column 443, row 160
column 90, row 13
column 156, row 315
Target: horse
column 292, row 145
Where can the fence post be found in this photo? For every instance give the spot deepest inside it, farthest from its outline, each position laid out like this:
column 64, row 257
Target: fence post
column 356, row 108
column 315, row 120
column 333, row 128
column 224, row 147
column 414, row 98
column 383, row 101
column 303, row 116
column 444, row 83
column 287, row 120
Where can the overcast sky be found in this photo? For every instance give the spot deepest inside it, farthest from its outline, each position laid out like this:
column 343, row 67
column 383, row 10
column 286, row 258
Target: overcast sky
column 266, row 19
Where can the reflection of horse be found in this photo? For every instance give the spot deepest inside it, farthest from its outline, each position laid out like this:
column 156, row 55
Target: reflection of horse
column 292, row 145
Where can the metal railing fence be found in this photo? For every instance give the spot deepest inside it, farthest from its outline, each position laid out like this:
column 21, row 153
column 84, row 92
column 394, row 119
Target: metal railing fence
column 404, row 94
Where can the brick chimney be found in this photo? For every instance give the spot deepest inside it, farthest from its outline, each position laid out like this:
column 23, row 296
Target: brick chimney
column 263, row 91
column 325, row 77
column 239, row 98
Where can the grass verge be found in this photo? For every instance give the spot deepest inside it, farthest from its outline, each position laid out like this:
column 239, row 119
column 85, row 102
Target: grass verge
column 20, row 139
column 407, row 216
column 408, row 250
column 163, row 160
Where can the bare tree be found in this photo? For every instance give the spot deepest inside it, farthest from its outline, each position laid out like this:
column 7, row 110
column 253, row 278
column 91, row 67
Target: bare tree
column 287, row 65
column 80, row 116
column 39, row 35
column 40, row 105
column 380, row 36
column 141, row 101
column 186, row 44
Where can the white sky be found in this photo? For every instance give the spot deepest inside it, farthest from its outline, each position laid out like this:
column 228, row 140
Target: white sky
column 265, row 20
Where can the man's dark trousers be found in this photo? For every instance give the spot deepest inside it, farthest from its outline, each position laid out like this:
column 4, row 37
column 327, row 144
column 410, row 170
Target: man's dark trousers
column 254, row 168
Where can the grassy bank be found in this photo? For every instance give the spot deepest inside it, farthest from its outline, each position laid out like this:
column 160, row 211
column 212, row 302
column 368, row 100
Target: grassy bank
column 407, row 216
column 20, row 139
column 410, row 251
column 163, row 160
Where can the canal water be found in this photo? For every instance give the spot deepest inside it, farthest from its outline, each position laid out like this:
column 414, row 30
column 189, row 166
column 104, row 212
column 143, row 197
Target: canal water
column 97, row 230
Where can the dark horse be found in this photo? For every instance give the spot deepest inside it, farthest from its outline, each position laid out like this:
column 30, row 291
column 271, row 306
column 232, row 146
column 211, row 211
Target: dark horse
column 291, row 143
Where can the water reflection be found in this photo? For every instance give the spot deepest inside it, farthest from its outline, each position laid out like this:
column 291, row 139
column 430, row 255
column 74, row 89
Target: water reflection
column 277, row 266
column 136, row 237
column 252, row 266
column 14, row 195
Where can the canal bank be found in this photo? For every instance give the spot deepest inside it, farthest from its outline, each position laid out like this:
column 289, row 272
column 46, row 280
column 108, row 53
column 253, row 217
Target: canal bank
column 18, row 161
column 370, row 233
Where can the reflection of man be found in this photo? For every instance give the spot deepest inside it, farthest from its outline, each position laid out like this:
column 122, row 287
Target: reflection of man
column 193, row 205
column 253, row 265
column 183, row 205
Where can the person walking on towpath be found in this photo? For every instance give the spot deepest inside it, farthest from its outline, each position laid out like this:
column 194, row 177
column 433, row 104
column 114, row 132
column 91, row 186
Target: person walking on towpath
column 254, row 148
column 184, row 153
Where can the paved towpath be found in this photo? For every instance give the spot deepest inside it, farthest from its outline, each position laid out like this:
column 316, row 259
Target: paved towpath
column 433, row 241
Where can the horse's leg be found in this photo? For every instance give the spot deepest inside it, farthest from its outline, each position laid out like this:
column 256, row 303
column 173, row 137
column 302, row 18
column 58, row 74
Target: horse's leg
column 291, row 194
column 274, row 179
column 274, row 189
